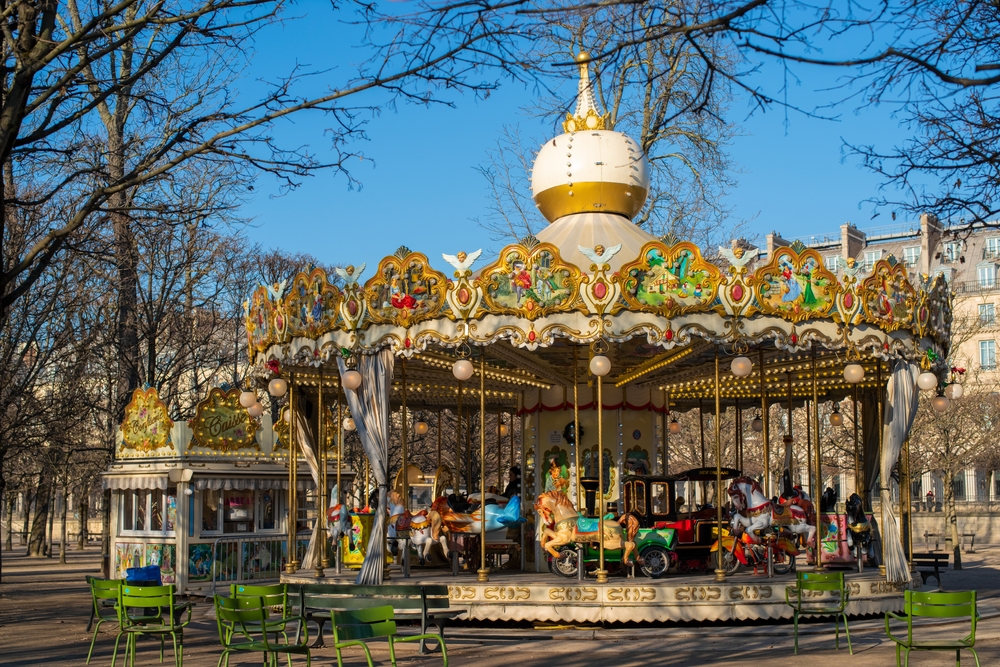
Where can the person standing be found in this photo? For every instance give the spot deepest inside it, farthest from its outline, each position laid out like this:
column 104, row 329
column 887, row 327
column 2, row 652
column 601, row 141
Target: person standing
column 513, row 487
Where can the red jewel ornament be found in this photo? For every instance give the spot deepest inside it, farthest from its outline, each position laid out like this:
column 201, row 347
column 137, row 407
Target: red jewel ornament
column 463, row 296
column 848, row 301
column 407, row 342
column 794, row 339
column 737, row 293
column 669, row 334
column 600, row 290
column 531, row 336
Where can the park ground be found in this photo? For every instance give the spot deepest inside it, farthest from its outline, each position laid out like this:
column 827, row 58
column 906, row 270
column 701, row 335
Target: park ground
column 44, row 607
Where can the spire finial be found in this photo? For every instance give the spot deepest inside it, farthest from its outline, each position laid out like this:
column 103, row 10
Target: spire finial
column 586, row 117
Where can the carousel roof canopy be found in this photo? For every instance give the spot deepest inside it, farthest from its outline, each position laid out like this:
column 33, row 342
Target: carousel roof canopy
column 663, row 312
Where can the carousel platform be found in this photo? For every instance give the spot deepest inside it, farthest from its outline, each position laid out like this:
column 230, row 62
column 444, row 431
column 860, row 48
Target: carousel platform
column 548, row 598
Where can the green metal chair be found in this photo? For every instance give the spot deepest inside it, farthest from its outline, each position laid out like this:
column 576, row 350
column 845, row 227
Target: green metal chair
column 152, row 611
column 356, row 626
column 275, row 599
column 104, row 594
column 935, row 605
column 242, row 622
column 809, row 598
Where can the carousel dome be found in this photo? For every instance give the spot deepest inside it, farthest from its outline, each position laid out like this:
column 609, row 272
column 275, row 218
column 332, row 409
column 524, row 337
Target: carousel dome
column 590, row 168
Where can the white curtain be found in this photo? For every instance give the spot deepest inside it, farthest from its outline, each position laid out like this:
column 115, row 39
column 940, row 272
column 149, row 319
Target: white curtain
column 306, row 441
column 900, row 410
column 370, row 408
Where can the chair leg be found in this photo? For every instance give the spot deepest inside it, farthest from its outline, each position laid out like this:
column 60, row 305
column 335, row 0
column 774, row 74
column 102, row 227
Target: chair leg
column 836, row 630
column 392, row 651
column 444, row 652
column 975, row 655
column 847, row 631
column 906, row 657
column 94, row 640
column 161, row 650
column 958, row 657
column 114, row 656
column 795, row 624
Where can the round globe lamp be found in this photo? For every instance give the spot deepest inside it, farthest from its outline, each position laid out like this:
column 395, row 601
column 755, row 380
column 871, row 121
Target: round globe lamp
column 351, row 380
column 927, row 381
column 741, row 367
column 247, row 398
column 854, row 373
column 462, row 370
column 600, row 365
column 277, row 387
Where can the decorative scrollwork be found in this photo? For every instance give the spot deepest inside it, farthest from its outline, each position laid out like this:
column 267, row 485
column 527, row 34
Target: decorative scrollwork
column 529, row 283
column 670, row 280
column 405, row 291
column 795, row 286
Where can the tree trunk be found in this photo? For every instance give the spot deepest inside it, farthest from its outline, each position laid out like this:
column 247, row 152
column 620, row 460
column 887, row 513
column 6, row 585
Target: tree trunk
column 951, row 518
column 39, row 519
column 106, row 535
column 52, row 520
column 62, row 532
column 84, row 511
column 9, row 544
column 25, row 514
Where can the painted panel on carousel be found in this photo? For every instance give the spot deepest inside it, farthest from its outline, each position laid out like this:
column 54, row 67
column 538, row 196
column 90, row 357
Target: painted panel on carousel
column 889, row 299
column 127, row 554
column 222, row 424
column 164, row 555
column 671, row 280
column 938, row 312
column 405, row 290
column 147, row 424
column 795, row 285
column 529, row 282
column 311, row 305
column 265, row 319
column 588, row 460
column 636, row 461
column 556, row 470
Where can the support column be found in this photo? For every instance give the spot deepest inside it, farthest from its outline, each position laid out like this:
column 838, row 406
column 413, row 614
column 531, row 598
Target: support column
column 602, row 573
column 580, row 503
column 720, row 572
column 819, row 463
column 484, row 571
column 341, row 496
column 405, row 419
column 858, row 488
column 323, row 561
column 666, row 435
column 766, row 419
column 292, row 563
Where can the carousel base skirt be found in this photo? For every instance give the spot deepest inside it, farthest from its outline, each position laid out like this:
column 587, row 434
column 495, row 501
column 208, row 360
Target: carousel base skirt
column 548, row 598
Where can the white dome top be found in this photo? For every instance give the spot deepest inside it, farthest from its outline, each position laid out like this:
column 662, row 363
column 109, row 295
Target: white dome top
column 591, row 168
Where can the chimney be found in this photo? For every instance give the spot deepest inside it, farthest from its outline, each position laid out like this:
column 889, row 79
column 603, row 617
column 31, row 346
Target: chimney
column 774, row 240
column 852, row 241
column 930, row 236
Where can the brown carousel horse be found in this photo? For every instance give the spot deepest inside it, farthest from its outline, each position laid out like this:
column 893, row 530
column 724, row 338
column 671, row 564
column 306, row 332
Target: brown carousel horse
column 559, row 524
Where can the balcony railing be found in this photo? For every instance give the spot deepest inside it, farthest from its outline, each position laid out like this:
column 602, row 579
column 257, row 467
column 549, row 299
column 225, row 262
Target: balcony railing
column 975, row 287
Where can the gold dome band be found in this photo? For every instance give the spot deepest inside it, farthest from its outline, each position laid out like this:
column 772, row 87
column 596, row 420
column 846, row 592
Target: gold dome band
column 592, row 197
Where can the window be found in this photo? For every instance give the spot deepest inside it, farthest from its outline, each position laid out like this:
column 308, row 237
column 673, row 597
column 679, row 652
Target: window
column 987, row 275
column 871, row 256
column 660, row 498
column 987, row 354
column 992, row 248
column 911, row 255
column 640, row 497
column 149, row 510
column 832, row 263
column 958, row 486
column 987, row 313
column 240, row 511
column 952, row 251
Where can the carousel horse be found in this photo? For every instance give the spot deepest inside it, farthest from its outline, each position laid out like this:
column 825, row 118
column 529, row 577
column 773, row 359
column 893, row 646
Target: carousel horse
column 754, row 513
column 426, row 527
column 471, row 522
column 629, row 524
column 559, row 524
column 338, row 518
column 859, row 530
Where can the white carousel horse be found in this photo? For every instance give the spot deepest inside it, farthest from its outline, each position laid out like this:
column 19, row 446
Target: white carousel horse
column 426, row 527
column 753, row 512
column 338, row 517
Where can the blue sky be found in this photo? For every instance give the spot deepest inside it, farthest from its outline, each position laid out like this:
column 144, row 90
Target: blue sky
column 420, row 187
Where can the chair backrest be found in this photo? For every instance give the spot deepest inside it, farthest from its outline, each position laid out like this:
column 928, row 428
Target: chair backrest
column 960, row 604
column 160, row 598
column 819, row 582
column 363, row 623
column 275, row 595
column 103, row 589
column 238, row 613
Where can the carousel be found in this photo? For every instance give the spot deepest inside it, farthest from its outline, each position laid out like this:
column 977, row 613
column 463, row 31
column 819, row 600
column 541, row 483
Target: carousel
column 584, row 344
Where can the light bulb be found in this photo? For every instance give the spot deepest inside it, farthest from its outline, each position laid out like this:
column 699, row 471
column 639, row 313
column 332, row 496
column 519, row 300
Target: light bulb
column 674, row 427
column 940, row 403
column 503, row 430
column 600, row 365
column 277, row 387
column 741, row 367
column 927, row 381
column 287, row 416
column 351, row 380
column 349, row 424
column 836, row 419
column 954, row 391
column 462, row 369
column 854, row 373
column 256, row 410
column 247, row 398
column 420, row 428
column 757, row 425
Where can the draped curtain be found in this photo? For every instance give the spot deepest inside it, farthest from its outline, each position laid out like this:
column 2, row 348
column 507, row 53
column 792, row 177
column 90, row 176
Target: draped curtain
column 869, row 444
column 900, row 410
column 369, row 406
column 306, row 441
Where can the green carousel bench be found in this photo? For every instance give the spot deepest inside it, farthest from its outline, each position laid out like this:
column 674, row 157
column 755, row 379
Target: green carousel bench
column 429, row 604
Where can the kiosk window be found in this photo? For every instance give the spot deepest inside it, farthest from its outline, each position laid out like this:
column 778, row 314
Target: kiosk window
column 149, row 511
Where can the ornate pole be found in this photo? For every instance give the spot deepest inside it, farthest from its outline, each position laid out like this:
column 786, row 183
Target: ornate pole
column 405, row 419
column 766, row 418
column 499, row 452
column 484, row 571
column 292, row 563
column 341, row 496
column 858, row 489
column 739, row 437
column 701, row 431
column 458, row 444
column 510, row 435
column 720, row 572
column 323, row 561
column 906, row 502
column 819, row 461
column 576, row 433
column 666, row 435
column 881, row 508
column 602, row 574
column 439, row 442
